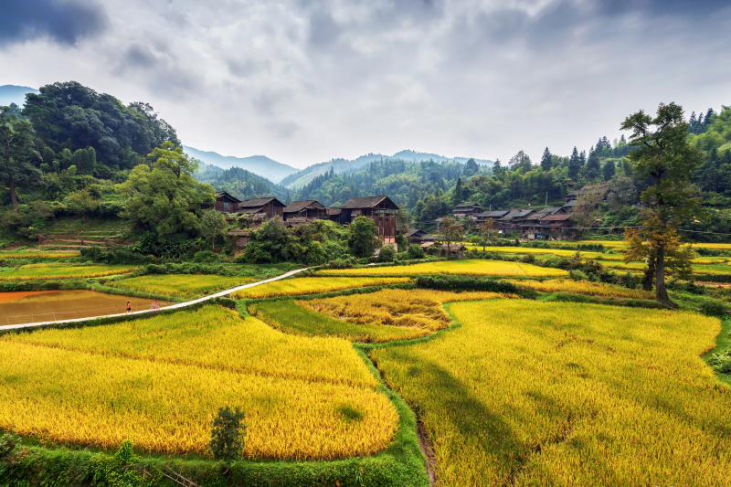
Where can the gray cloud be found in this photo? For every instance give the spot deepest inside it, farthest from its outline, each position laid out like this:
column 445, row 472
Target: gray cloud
column 307, row 80
column 65, row 22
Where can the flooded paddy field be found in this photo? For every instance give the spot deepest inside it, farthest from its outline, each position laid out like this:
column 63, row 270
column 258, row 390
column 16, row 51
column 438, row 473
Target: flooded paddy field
column 33, row 306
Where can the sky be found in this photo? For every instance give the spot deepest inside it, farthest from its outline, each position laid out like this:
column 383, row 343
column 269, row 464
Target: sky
column 304, row 81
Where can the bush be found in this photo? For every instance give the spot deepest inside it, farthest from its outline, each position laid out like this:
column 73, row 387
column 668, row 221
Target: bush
column 205, row 256
column 416, row 252
column 713, row 307
column 721, row 362
column 117, row 255
column 228, row 434
column 464, row 283
column 8, row 444
column 387, row 254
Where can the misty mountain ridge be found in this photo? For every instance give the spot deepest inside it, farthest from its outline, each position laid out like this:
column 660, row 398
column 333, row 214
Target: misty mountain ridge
column 14, row 94
column 260, row 165
column 340, row 165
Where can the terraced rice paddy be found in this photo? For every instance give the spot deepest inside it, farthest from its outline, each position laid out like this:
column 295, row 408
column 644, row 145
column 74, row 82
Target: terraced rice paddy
column 480, row 267
column 61, row 271
column 303, row 397
column 180, row 285
column 585, row 287
column 532, row 393
column 40, row 255
column 299, row 286
column 33, row 306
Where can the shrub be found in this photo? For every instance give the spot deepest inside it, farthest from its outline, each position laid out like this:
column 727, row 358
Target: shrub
column 721, row 362
column 464, row 283
column 119, row 255
column 205, row 256
column 227, row 435
column 387, row 254
column 119, row 471
column 8, row 444
column 713, row 307
column 416, row 252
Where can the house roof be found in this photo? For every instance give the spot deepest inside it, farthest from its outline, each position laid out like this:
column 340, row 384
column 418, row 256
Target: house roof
column 466, row 205
column 258, row 202
column 365, row 202
column 540, row 214
column 516, row 213
column 558, row 217
column 493, row 214
column 227, row 195
column 296, row 206
column 413, row 232
column 334, row 211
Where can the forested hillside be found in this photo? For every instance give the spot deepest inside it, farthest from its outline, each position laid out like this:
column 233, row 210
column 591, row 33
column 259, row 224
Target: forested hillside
column 241, row 183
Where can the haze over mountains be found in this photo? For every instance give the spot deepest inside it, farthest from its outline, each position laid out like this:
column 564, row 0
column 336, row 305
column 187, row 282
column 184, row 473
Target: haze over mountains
column 293, row 178
column 14, row 94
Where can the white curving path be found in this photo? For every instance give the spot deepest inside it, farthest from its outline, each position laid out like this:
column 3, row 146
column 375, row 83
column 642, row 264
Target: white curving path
column 184, row 304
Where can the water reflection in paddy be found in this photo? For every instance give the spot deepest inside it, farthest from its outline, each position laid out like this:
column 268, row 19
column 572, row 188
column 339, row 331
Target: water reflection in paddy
column 32, row 306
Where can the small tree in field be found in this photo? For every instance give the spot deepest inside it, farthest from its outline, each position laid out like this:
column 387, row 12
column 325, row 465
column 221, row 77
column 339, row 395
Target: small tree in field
column 488, row 231
column 362, row 240
column 452, row 231
column 228, row 434
column 213, row 225
column 664, row 163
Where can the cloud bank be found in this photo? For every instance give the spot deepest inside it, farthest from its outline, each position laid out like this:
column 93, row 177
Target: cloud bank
column 303, row 80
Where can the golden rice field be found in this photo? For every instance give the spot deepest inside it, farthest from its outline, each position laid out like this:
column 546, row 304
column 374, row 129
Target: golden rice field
column 29, row 254
column 180, row 285
column 314, row 285
column 539, row 251
column 481, row 267
column 61, row 271
column 534, row 393
column 305, row 398
column 421, row 309
column 584, row 287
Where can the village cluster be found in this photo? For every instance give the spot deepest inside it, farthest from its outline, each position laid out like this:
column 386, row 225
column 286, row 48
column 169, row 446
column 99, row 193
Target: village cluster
column 531, row 224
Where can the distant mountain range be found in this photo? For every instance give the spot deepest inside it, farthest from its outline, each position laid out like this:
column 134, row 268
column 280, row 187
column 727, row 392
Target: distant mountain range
column 303, row 177
column 14, row 94
column 261, row 165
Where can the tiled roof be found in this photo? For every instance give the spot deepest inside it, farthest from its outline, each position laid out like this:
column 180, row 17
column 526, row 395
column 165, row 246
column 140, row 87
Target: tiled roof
column 364, row 202
column 258, row 202
column 558, row 217
column 296, row 206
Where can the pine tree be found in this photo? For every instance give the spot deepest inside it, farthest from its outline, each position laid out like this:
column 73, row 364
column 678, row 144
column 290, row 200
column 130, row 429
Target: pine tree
column 574, row 164
column 608, row 170
column 546, row 160
column 593, row 166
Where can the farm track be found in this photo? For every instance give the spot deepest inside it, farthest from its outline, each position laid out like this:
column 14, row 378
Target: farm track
column 184, row 304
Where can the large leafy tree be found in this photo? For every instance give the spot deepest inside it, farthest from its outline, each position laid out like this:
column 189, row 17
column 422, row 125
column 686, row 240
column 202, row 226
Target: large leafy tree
column 72, row 116
column 163, row 198
column 362, row 240
column 17, row 153
column 664, row 163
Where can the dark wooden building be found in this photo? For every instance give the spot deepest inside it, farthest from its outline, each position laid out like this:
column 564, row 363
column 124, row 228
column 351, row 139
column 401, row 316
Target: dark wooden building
column 379, row 208
column 226, row 203
column 466, row 210
column 304, row 211
column 268, row 207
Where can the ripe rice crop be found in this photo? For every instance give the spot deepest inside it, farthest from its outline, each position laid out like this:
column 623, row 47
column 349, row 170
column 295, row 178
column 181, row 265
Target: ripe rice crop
column 421, row 309
column 541, row 251
column 37, row 255
column 95, row 400
column 213, row 337
column 160, row 381
column 584, row 287
column 180, row 285
column 534, row 393
column 481, row 267
column 292, row 317
column 61, row 271
column 313, row 285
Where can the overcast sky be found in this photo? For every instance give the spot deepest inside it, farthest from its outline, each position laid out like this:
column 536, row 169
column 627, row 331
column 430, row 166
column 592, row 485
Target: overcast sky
column 303, row 81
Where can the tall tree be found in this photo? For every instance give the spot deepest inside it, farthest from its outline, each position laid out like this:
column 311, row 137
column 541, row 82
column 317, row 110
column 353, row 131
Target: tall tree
column 608, row 170
column 452, row 231
column 162, row 196
column 362, row 240
column 593, row 166
column 546, row 160
column 575, row 165
column 664, row 161
column 17, row 151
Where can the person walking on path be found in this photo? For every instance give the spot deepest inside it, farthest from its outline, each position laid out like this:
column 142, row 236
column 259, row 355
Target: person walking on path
column 129, row 307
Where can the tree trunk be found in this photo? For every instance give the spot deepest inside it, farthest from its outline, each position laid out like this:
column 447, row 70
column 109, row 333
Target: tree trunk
column 661, row 293
column 13, row 194
column 649, row 278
